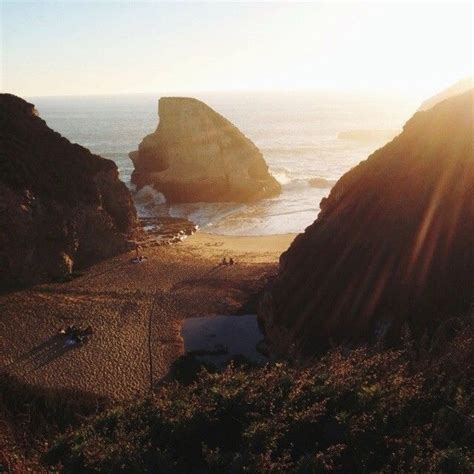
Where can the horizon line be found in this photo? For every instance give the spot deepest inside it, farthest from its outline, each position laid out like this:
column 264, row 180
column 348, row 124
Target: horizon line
column 183, row 93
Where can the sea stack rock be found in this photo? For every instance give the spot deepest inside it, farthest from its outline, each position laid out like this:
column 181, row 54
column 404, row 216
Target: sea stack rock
column 60, row 205
column 393, row 245
column 197, row 155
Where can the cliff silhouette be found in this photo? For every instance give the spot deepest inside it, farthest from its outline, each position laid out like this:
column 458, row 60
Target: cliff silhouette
column 392, row 246
column 61, row 207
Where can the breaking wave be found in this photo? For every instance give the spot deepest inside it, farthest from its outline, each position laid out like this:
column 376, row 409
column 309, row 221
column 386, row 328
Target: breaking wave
column 282, row 175
column 291, row 180
column 149, row 202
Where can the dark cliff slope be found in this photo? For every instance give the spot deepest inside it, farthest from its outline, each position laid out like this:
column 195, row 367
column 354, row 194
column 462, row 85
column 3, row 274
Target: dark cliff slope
column 60, row 205
column 393, row 244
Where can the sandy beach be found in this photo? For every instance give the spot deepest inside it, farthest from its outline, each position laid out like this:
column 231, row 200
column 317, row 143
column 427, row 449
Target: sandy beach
column 119, row 299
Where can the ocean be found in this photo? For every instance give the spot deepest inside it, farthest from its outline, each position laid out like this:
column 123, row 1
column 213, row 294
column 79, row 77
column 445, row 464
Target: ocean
column 297, row 134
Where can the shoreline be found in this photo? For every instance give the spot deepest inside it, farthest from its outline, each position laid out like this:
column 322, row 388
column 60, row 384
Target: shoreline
column 254, row 248
column 249, row 236
column 118, row 299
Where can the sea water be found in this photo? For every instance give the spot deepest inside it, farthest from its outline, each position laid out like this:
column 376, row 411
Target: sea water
column 297, row 134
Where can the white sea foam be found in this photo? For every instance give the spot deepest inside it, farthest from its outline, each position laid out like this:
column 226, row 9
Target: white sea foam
column 282, row 175
column 149, row 201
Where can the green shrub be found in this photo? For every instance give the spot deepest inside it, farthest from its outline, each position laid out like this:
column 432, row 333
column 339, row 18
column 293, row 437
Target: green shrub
column 370, row 410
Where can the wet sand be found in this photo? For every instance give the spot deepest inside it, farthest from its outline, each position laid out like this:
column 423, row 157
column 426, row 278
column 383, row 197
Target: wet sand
column 119, row 300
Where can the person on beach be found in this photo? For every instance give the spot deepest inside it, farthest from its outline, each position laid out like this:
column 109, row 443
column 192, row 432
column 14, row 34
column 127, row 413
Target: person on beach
column 231, row 261
column 139, row 258
column 76, row 335
column 224, row 261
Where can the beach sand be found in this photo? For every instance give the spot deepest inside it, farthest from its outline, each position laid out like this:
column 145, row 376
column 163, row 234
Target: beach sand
column 119, row 299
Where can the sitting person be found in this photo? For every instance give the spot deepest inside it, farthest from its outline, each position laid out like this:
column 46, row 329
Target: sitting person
column 76, row 335
column 224, row 261
column 71, row 329
column 138, row 255
column 231, row 261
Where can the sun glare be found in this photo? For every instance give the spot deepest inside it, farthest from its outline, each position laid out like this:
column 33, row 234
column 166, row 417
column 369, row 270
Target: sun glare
column 116, row 47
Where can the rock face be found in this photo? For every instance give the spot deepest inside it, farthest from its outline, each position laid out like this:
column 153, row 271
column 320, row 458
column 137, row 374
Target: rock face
column 197, row 155
column 392, row 246
column 60, row 205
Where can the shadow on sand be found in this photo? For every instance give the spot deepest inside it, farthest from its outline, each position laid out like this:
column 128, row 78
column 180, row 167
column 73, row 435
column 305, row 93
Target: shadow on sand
column 42, row 354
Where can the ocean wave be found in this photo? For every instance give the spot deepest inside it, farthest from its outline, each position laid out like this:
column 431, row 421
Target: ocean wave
column 282, row 175
column 298, row 211
column 289, row 178
column 289, row 149
column 148, row 201
column 292, row 180
column 261, row 220
column 204, row 213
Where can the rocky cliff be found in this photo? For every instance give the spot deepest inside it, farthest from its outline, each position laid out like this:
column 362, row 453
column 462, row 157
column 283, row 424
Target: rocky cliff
column 393, row 245
column 60, row 205
column 197, row 155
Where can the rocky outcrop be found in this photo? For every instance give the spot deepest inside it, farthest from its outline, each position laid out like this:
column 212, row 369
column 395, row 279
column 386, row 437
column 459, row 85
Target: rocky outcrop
column 393, row 245
column 368, row 135
column 457, row 88
column 165, row 230
column 197, row 155
column 61, row 207
column 318, row 182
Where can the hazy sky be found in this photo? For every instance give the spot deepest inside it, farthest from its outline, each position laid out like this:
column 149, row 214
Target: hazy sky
column 65, row 47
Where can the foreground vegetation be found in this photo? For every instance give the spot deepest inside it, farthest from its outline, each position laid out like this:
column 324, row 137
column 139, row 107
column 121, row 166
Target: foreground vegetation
column 30, row 417
column 368, row 410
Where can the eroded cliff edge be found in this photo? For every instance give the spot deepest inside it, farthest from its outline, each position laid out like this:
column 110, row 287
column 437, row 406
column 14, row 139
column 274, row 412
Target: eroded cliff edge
column 457, row 88
column 61, row 207
column 196, row 155
column 393, row 245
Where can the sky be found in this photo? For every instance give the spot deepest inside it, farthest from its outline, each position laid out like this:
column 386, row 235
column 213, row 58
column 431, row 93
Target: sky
column 106, row 47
